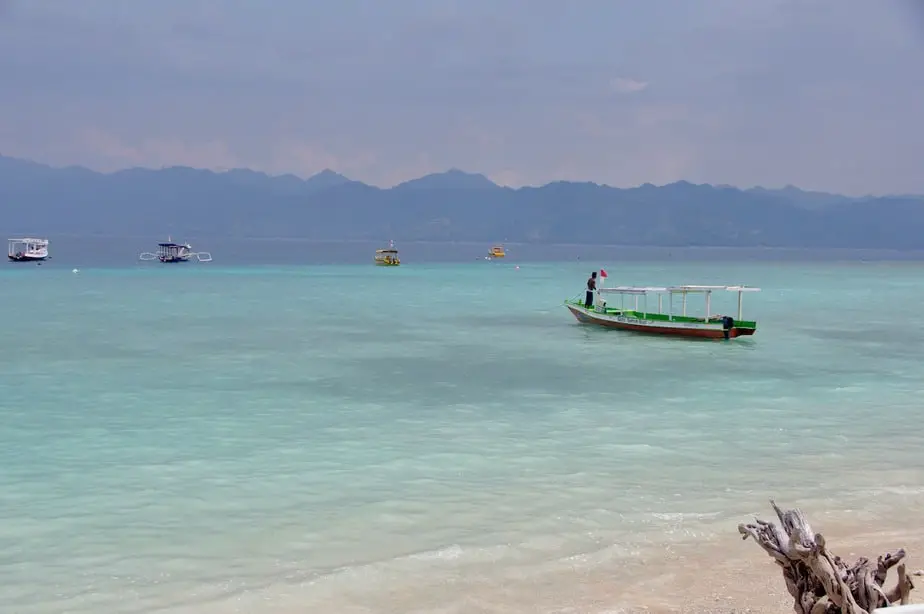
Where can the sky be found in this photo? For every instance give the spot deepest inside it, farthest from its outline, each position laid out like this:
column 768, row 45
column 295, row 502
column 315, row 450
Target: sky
column 821, row 94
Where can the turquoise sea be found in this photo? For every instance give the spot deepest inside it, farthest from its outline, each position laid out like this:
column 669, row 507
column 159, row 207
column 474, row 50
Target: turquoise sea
column 439, row 437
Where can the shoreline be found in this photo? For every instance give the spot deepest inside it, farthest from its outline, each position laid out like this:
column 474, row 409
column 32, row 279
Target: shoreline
column 741, row 577
column 723, row 575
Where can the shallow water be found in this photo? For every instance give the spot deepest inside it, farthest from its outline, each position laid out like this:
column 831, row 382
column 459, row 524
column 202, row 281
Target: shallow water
column 347, row 438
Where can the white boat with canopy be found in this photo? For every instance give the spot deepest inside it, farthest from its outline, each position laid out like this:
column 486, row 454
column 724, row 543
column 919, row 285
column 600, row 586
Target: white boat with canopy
column 27, row 249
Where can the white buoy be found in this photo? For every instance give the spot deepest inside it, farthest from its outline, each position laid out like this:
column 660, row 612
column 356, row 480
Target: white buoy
column 76, row 271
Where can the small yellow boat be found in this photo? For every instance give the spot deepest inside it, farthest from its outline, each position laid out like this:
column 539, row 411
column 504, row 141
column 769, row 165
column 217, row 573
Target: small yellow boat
column 497, row 252
column 387, row 257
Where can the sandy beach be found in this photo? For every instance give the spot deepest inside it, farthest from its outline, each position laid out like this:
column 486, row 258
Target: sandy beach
column 723, row 576
column 733, row 576
column 738, row 576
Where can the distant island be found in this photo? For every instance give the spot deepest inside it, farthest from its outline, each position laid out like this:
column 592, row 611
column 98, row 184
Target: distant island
column 450, row 206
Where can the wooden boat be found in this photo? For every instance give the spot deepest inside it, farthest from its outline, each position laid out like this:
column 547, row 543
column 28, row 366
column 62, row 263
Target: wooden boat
column 497, row 252
column 173, row 253
column 27, row 249
column 647, row 318
column 387, row 257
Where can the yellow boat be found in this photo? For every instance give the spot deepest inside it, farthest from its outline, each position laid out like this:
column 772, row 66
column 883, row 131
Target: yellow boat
column 497, row 251
column 387, row 257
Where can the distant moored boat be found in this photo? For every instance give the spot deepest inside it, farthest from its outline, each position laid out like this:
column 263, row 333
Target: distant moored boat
column 387, row 257
column 171, row 253
column 28, row 250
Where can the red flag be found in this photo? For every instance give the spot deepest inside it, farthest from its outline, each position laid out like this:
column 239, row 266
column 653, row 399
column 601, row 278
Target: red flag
column 603, row 273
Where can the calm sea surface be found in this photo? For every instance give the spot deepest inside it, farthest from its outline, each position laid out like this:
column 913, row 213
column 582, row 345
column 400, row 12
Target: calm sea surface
column 322, row 438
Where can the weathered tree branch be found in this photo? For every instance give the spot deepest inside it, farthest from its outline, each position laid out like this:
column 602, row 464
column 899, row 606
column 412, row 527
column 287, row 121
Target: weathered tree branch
column 820, row 582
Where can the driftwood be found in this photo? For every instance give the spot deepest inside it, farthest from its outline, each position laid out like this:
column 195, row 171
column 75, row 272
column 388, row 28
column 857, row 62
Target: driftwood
column 821, row 582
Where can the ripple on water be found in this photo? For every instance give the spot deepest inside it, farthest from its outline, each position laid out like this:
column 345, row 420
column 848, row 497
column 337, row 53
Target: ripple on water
column 284, row 459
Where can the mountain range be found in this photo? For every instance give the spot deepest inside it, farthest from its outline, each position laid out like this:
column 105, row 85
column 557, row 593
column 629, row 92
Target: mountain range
column 450, row 206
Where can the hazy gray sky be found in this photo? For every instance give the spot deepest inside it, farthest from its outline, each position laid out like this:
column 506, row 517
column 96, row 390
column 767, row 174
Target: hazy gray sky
column 823, row 94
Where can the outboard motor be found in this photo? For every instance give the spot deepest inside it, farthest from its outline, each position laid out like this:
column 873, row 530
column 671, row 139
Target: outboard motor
column 728, row 323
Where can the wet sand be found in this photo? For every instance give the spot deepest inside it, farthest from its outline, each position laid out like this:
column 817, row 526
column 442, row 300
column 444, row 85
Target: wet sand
column 723, row 576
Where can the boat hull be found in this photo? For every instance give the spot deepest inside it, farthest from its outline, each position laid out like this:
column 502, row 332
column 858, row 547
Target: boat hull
column 27, row 258
column 629, row 321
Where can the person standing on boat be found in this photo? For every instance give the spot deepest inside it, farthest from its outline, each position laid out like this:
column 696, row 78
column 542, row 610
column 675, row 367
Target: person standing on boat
column 591, row 288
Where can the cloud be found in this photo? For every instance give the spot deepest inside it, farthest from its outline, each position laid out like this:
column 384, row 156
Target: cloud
column 113, row 153
column 109, row 152
column 507, row 177
column 628, row 86
column 305, row 159
column 775, row 92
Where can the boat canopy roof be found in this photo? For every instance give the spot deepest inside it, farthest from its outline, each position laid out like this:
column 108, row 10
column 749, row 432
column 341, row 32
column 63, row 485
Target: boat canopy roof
column 634, row 290
column 29, row 240
column 386, row 251
column 172, row 245
column 676, row 289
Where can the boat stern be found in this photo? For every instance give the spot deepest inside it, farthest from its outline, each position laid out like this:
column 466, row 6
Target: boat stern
column 743, row 331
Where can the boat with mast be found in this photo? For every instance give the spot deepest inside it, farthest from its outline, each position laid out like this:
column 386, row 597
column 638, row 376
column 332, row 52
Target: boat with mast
column 27, row 249
column 642, row 317
column 172, row 253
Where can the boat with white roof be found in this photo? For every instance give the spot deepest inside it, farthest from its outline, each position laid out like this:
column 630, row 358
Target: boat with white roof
column 172, row 253
column 637, row 311
column 28, row 249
